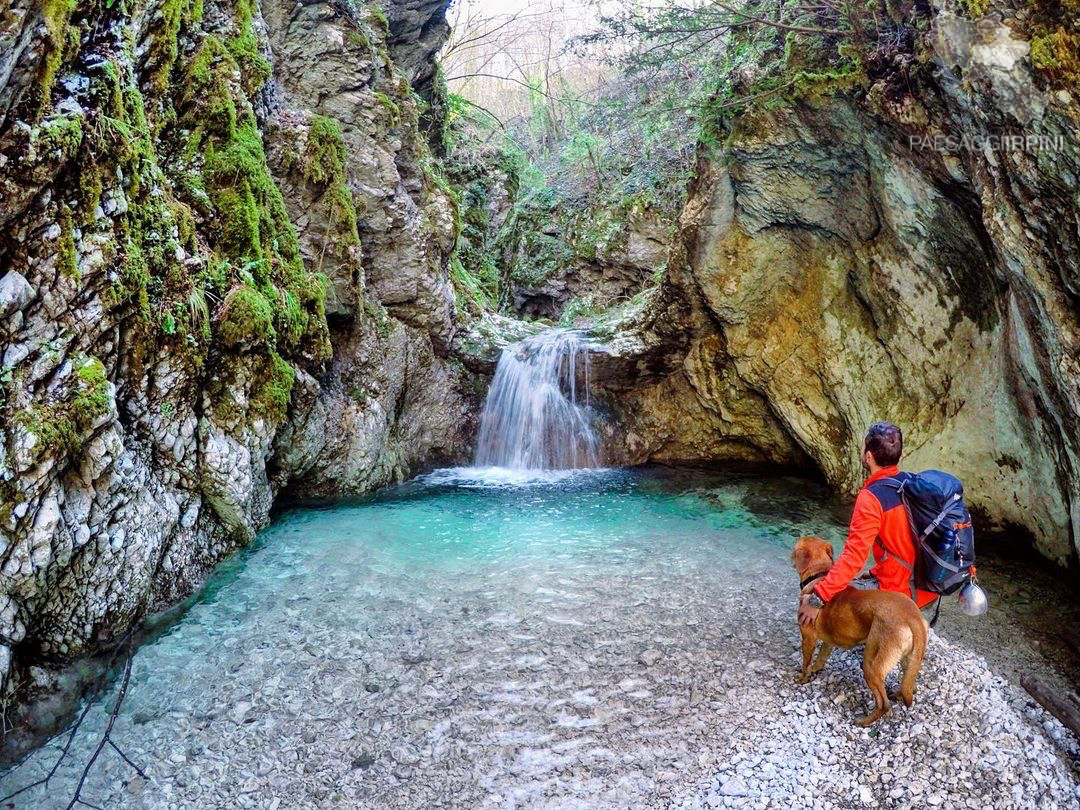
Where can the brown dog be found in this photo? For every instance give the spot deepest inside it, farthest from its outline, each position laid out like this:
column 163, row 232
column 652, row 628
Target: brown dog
column 889, row 623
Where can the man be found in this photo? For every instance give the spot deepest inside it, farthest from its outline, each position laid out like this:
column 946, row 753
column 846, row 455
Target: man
column 879, row 522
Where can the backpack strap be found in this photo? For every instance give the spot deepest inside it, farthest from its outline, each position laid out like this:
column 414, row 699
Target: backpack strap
column 936, row 521
column 899, row 487
column 911, row 573
column 937, row 612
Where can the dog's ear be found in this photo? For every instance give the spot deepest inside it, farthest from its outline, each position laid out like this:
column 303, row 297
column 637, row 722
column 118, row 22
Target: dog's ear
column 832, row 554
column 799, row 555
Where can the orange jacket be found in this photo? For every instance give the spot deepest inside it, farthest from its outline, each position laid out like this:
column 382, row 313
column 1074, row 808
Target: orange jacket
column 879, row 522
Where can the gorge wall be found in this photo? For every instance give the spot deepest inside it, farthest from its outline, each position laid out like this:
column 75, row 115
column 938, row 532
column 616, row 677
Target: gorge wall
column 834, row 267
column 223, row 271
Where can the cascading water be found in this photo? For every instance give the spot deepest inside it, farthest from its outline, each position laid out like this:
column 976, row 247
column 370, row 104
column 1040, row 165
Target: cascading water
column 532, row 417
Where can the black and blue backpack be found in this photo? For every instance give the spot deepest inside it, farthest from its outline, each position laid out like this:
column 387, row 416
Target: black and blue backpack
column 941, row 523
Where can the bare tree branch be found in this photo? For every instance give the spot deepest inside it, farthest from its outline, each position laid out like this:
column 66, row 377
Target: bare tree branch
column 105, row 738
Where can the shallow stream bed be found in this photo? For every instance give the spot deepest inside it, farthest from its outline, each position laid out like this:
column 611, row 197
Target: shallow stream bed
column 591, row 639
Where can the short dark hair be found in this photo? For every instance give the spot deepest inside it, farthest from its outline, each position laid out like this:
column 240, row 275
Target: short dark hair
column 885, row 441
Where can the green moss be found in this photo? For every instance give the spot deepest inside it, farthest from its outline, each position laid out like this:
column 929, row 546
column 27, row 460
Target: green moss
column 358, row 39
column 239, row 221
column 207, row 94
column 392, row 109
column 165, row 44
column 69, row 264
column 582, row 307
column 379, row 16
column 378, row 315
column 134, row 282
column 292, row 319
column 247, row 318
column 91, row 187
column 470, row 289
column 253, row 65
column 59, row 137
column 274, row 310
column 315, row 345
column 817, row 86
column 323, row 162
column 343, row 213
column 61, row 427
column 244, row 48
column 325, row 153
column 271, row 400
column 91, row 400
column 57, row 45
column 975, row 9
column 1057, row 55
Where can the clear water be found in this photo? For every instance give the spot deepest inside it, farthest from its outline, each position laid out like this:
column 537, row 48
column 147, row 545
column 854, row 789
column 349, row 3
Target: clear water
column 471, row 638
column 536, row 415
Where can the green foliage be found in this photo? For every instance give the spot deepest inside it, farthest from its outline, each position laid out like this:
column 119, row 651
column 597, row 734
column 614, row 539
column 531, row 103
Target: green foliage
column 379, row 16
column 393, row 111
column 1053, row 27
column 168, row 322
column 198, row 311
column 472, row 290
column 578, row 172
column 769, row 54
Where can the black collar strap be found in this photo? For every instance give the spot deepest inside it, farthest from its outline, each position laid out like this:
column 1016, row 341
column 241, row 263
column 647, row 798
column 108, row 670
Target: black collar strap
column 810, row 579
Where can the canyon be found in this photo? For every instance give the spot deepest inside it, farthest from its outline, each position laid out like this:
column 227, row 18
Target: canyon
column 225, row 251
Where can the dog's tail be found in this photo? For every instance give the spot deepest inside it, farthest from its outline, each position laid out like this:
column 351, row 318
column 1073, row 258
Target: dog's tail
column 913, row 660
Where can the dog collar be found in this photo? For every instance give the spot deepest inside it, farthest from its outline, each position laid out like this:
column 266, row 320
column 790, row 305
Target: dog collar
column 810, row 579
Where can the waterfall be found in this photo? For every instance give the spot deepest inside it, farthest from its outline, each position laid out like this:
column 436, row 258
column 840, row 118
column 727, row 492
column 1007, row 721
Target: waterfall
column 532, row 417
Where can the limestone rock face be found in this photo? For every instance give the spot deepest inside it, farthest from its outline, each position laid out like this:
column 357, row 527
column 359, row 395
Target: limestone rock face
column 418, row 29
column 619, row 269
column 839, row 266
column 223, row 272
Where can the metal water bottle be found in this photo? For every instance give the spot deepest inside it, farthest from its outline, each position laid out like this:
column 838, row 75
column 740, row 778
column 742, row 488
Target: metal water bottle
column 972, row 599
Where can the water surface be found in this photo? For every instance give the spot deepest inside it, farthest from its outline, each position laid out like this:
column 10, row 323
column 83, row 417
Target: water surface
column 472, row 638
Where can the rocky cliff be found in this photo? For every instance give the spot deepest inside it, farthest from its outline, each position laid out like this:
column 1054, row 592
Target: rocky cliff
column 909, row 253
column 223, row 272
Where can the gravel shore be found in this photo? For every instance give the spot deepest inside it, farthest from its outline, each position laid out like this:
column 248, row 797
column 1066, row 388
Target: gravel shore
column 616, row 720
column 971, row 740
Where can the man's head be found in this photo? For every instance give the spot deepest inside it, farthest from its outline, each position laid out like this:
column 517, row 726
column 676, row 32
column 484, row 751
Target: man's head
column 883, row 446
